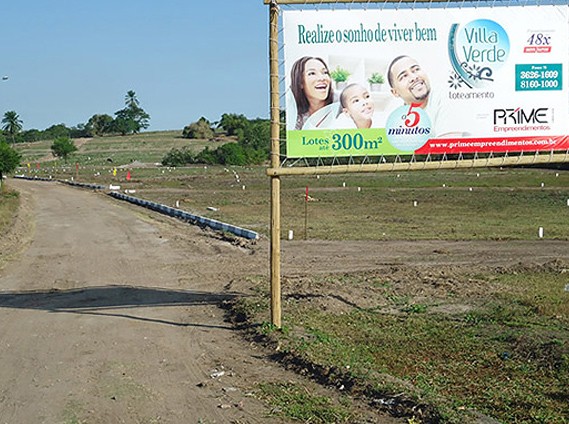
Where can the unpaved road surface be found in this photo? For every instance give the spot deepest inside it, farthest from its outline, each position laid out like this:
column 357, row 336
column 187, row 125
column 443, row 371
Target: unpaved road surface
column 110, row 317
column 110, row 313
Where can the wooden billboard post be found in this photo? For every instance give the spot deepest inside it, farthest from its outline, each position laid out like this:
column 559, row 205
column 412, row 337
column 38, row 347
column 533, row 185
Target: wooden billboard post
column 275, row 163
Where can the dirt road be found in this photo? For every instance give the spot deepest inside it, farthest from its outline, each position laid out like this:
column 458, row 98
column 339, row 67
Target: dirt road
column 110, row 313
column 109, row 316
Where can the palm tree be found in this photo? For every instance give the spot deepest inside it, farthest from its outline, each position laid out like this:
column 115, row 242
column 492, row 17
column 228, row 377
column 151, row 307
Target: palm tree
column 130, row 100
column 12, row 123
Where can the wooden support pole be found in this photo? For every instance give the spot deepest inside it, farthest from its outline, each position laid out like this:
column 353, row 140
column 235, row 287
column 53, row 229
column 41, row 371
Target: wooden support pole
column 275, row 164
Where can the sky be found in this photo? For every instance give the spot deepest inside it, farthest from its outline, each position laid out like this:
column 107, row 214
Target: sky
column 67, row 60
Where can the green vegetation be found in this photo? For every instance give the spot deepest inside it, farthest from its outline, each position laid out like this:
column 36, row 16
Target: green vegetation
column 9, row 202
column 232, row 123
column 9, row 160
column 12, row 124
column 100, row 124
column 249, row 137
column 376, row 78
column 129, row 120
column 200, row 129
column 13, row 132
column 132, row 119
column 297, row 403
column 251, row 147
column 101, row 152
column 340, row 74
column 62, row 147
column 495, row 342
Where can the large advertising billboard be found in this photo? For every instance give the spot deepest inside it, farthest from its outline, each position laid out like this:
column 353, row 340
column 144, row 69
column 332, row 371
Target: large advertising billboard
column 426, row 81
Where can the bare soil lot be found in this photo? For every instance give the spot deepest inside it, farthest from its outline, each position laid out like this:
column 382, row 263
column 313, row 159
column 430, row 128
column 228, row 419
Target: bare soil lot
column 112, row 313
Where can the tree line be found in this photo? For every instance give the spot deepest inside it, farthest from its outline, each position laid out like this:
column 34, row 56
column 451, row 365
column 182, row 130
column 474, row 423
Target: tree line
column 252, row 145
column 251, row 137
column 129, row 120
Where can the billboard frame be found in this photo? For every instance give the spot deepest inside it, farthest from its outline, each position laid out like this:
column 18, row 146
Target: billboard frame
column 276, row 170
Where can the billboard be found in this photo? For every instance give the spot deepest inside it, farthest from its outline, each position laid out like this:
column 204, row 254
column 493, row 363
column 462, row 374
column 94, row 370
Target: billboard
column 426, row 81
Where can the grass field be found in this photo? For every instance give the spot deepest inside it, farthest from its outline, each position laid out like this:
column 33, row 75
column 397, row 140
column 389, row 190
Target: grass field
column 496, row 341
column 147, row 147
column 489, row 203
column 9, row 202
column 451, row 341
column 372, row 207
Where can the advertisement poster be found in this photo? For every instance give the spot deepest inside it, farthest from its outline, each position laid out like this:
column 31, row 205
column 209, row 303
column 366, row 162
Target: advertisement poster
column 426, row 81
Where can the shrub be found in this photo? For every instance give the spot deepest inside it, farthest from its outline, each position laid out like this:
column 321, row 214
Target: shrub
column 178, row 157
column 9, row 159
column 200, row 129
column 62, row 147
column 207, row 156
column 231, row 154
